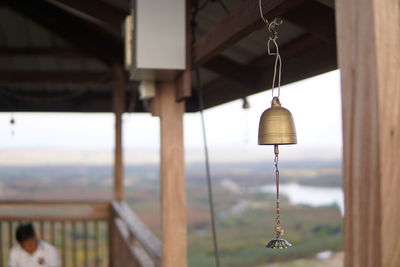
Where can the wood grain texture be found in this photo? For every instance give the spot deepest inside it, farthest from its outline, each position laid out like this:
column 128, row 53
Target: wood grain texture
column 242, row 21
column 72, row 29
column 52, row 211
column 316, row 57
column 61, row 52
column 368, row 41
column 107, row 15
column 184, row 80
column 140, row 233
column 123, row 251
column 315, row 18
column 119, row 107
column 173, row 190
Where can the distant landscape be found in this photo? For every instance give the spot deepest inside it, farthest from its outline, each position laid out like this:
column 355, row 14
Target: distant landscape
column 244, row 206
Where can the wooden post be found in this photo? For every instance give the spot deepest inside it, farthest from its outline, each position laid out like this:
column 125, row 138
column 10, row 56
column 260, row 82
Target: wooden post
column 368, row 42
column 119, row 107
column 173, row 191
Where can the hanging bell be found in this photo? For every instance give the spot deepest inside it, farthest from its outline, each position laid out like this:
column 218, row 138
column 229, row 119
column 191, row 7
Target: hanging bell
column 276, row 126
column 246, row 104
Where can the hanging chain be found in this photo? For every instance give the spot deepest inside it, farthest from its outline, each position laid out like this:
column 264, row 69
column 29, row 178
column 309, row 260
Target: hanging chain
column 273, row 49
column 278, row 228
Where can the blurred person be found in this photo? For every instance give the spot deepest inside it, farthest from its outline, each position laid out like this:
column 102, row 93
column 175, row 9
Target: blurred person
column 32, row 252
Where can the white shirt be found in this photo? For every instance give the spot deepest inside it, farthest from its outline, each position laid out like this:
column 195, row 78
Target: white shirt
column 45, row 253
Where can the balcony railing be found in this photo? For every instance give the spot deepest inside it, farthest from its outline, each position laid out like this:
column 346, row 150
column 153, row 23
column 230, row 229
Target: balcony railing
column 85, row 233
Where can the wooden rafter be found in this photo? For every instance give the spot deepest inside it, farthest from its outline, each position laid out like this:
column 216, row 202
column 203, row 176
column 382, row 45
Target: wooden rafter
column 100, row 10
column 231, row 69
column 89, row 101
column 64, row 52
column 315, row 18
column 184, row 81
column 244, row 20
column 83, row 35
column 54, row 76
column 308, row 58
column 250, row 75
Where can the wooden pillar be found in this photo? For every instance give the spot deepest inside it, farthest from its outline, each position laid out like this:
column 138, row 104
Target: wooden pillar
column 173, row 191
column 368, row 43
column 118, row 107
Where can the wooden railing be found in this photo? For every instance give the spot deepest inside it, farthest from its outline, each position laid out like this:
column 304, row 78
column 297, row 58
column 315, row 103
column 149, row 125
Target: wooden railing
column 85, row 233
column 78, row 229
column 132, row 240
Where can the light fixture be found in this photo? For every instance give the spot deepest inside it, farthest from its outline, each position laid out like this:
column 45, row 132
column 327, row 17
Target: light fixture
column 276, row 124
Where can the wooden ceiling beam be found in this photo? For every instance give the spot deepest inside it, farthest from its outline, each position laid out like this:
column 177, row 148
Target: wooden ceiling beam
column 231, row 69
column 64, row 52
column 294, row 48
column 54, row 76
column 100, row 10
column 242, row 21
column 250, row 74
column 89, row 101
column 315, row 18
column 317, row 58
column 86, row 36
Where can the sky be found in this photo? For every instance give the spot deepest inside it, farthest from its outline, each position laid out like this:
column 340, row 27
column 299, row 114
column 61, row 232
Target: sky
column 231, row 131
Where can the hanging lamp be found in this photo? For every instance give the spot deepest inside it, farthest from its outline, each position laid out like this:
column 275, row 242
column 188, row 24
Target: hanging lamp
column 276, row 124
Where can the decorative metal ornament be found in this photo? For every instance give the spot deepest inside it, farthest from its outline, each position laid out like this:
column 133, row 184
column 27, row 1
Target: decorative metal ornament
column 276, row 125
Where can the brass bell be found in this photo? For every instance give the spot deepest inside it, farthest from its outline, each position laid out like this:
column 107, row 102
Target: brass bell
column 276, row 126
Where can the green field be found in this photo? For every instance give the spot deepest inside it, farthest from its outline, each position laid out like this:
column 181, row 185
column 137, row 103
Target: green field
column 245, row 216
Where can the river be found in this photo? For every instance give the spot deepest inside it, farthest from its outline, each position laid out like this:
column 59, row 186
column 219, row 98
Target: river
column 309, row 195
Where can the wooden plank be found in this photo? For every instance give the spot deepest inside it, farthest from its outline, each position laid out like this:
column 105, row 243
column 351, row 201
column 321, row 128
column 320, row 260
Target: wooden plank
column 1, row 244
column 84, row 35
column 184, row 81
column 173, row 191
column 368, row 41
column 316, row 59
column 10, row 234
column 34, row 202
column 72, row 101
column 52, row 218
column 74, row 248
column 126, row 254
column 63, row 52
column 85, row 243
column 242, row 21
column 244, row 74
column 52, row 232
column 315, row 18
column 150, row 243
column 296, row 47
column 64, row 243
column 41, row 230
column 96, row 243
column 109, row 14
column 250, row 74
column 111, row 236
column 55, row 211
column 54, row 76
column 118, row 106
